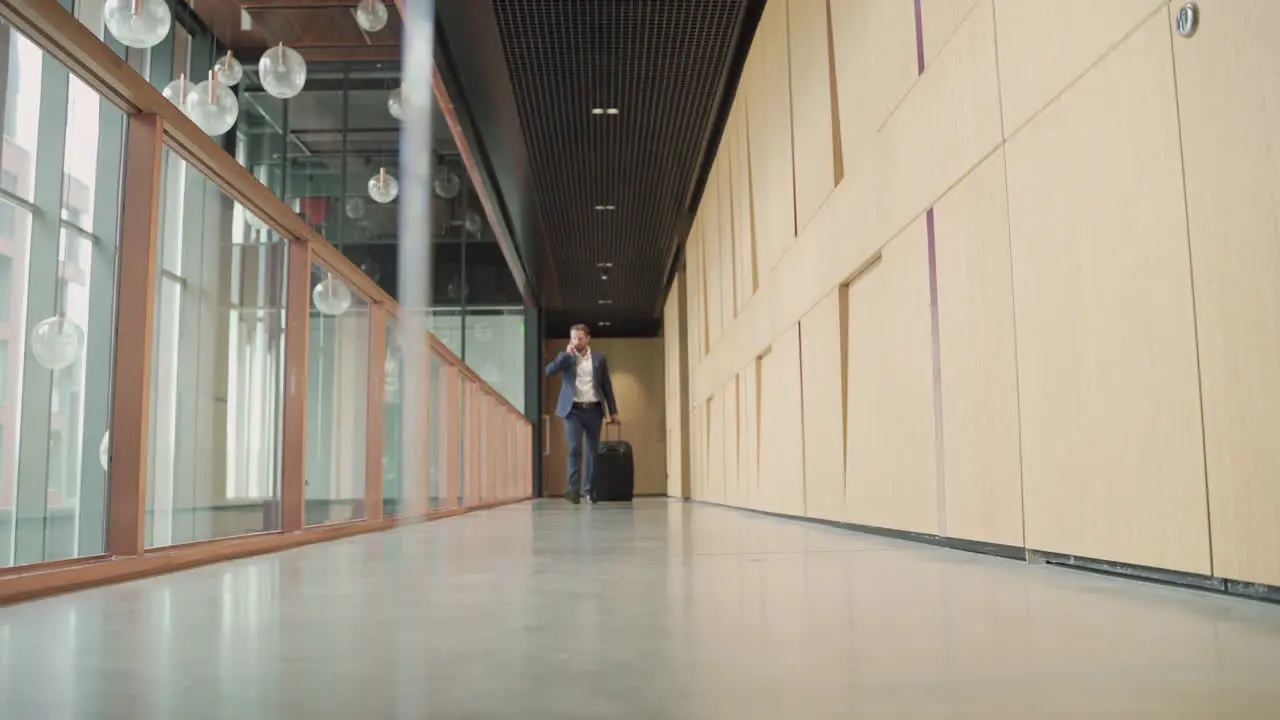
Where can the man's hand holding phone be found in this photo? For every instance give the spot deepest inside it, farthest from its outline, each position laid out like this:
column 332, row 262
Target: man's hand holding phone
column 571, row 350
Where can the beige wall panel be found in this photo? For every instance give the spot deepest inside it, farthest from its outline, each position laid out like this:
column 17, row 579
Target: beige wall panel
column 875, row 51
column 715, row 449
column 1228, row 78
column 823, row 391
column 673, row 316
column 728, row 239
column 693, row 315
column 941, row 19
column 891, row 474
column 1045, row 45
column 740, row 177
column 709, row 219
column 811, row 117
column 948, row 124
column 981, row 455
column 781, row 439
column 732, row 478
column 1113, row 462
column 945, row 127
column 769, row 120
column 748, row 445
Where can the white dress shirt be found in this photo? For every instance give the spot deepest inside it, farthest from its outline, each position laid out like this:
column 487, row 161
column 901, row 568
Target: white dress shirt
column 584, row 390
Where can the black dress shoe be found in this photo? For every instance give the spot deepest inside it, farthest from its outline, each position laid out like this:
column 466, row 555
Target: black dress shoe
column 572, row 497
column 591, row 498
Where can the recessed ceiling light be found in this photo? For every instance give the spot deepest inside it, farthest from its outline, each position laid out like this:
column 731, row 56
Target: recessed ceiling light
column 606, row 207
column 597, row 111
column 605, row 302
column 611, row 111
column 604, row 264
column 604, row 323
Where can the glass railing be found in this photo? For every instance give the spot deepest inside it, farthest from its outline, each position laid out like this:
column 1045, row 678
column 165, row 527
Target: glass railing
column 188, row 370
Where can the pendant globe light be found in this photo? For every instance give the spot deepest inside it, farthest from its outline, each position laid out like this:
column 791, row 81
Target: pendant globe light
column 331, row 296
column 178, row 92
column 447, row 184
column 282, row 72
column 138, row 23
column 383, row 187
column 230, row 71
column 395, row 104
column 472, row 222
column 355, row 207
column 213, row 106
column 371, row 15
column 57, row 342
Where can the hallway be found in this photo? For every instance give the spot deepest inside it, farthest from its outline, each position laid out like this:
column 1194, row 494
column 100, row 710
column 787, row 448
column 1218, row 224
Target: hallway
column 657, row 610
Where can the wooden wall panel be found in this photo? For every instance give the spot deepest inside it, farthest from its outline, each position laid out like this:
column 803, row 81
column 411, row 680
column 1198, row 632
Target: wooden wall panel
column 1228, row 76
column 728, row 240
column 939, row 21
column 749, row 438
column 675, row 352
column 875, row 51
column 1039, row 58
column 811, row 106
column 743, row 221
column 712, row 256
column 769, row 123
column 731, row 430
column 697, row 284
column 1113, row 462
column 781, row 427
column 822, row 362
column 715, row 449
column 981, row 451
column 891, row 475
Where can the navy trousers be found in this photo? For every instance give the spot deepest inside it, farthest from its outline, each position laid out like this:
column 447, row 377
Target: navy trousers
column 583, row 422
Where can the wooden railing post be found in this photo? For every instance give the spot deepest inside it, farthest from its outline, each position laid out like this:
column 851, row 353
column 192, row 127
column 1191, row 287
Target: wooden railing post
column 297, row 335
column 135, row 321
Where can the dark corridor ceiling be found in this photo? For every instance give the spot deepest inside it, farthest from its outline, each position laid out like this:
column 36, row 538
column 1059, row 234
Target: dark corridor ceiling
column 621, row 104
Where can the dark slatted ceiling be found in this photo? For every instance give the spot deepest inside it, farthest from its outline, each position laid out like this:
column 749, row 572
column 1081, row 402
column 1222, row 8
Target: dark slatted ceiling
column 662, row 64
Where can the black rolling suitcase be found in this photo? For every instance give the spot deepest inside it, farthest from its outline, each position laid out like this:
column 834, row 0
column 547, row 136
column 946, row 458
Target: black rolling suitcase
column 615, row 469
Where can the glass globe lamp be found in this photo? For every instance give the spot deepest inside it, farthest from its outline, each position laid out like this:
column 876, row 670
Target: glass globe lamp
column 282, row 72
column 178, row 92
column 230, row 71
column 395, row 104
column 104, row 451
column 57, row 342
column 471, row 221
column 331, row 296
column 447, row 184
column 213, row 106
column 137, row 23
column 355, row 207
column 371, row 15
column 371, row 268
column 383, row 187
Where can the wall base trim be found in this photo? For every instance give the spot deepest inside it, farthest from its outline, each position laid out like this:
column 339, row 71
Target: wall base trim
column 1193, row 581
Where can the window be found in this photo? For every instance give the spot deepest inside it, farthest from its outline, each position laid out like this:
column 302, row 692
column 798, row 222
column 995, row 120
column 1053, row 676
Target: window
column 218, row 366
column 337, row 405
column 52, row 485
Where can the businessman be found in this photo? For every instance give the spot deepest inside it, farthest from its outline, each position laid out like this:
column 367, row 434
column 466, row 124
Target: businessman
column 586, row 393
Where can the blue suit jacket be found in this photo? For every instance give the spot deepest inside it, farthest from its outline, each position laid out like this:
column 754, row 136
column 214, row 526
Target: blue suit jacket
column 567, row 366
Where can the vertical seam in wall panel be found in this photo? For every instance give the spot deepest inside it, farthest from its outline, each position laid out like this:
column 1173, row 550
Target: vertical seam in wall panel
column 919, row 37
column 733, row 220
column 842, row 305
column 1195, row 320
column 1008, row 219
column 936, row 338
column 751, row 201
column 804, row 456
column 791, row 113
column 837, row 138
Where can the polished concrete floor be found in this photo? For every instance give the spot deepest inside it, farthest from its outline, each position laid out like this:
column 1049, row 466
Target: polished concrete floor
column 657, row 610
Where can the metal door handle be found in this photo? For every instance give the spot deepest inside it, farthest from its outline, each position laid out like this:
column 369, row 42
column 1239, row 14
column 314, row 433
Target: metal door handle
column 546, row 435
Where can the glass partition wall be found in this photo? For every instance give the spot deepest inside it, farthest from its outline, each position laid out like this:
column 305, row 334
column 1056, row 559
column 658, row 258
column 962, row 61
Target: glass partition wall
column 252, row 385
